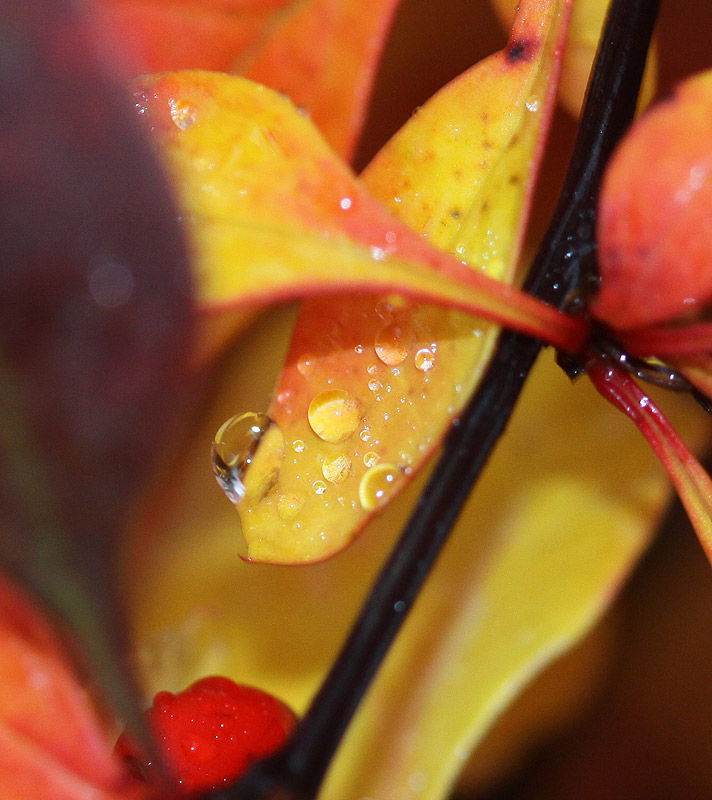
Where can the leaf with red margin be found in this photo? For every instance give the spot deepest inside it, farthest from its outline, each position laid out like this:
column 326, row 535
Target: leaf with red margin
column 692, row 483
column 321, row 53
column 370, row 385
column 52, row 742
column 271, row 210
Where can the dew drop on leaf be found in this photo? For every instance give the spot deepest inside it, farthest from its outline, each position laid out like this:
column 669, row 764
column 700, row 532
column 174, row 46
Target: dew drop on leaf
column 247, row 456
column 370, row 459
column 319, row 487
column 378, row 484
column 337, row 470
column 425, row 359
column 393, row 343
column 334, row 415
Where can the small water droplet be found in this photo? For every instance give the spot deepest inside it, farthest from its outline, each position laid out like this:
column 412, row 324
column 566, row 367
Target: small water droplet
column 358, row 349
column 247, row 456
column 346, row 203
column 370, row 459
column 319, row 487
column 424, row 359
column 337, row 470
column 290, row 504
column 182, row 113
column 305, row 365
column 335, row 415
column 366, row 435
column 533, row 103
column 378, row 484
column 384, row 311
column 298, row 446
column 375, row 386
column 393, row 342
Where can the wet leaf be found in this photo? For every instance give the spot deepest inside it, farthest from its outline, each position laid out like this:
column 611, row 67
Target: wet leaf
column 460, row 172
column 39, row 757
column 95, row 290
column 321, row 53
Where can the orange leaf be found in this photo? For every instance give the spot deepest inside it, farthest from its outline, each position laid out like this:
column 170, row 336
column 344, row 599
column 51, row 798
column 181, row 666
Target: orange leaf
column 52, row 742
column 324, row 55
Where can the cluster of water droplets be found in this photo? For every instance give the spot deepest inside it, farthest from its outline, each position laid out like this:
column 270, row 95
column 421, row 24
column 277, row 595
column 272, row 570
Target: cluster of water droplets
column 249, row 449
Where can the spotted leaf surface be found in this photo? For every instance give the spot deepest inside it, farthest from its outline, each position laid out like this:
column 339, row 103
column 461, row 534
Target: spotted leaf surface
column 584, row 32
column 460, row 173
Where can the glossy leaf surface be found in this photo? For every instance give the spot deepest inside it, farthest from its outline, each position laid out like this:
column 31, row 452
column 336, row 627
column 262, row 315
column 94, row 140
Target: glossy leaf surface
column 654, row 231
column 96, row 296
column 459, row 172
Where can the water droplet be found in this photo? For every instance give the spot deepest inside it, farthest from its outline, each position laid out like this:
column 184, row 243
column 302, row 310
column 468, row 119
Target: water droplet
column 335, row 415
column 384, row 311
column 370, row 459
column 337, row 470
column 319, row 487
column 298, row 446
column 305, row 365
column 290, row 504
column 378, row 484
column 424, row 359
column 346, row 203
column 182, row 113
column 247, row 456
column 393, row 343
column 533, row 103
column 375, row 386
column 366, row 435
column 358, row 349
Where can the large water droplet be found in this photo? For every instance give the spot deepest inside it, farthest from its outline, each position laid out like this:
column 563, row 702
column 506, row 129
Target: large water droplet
column 337, row 470
column 247, row 456
column 335, row 415
column 378, row 484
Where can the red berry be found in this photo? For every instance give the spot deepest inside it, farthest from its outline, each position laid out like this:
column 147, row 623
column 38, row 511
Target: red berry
column 212, row 732
column 655, row 214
